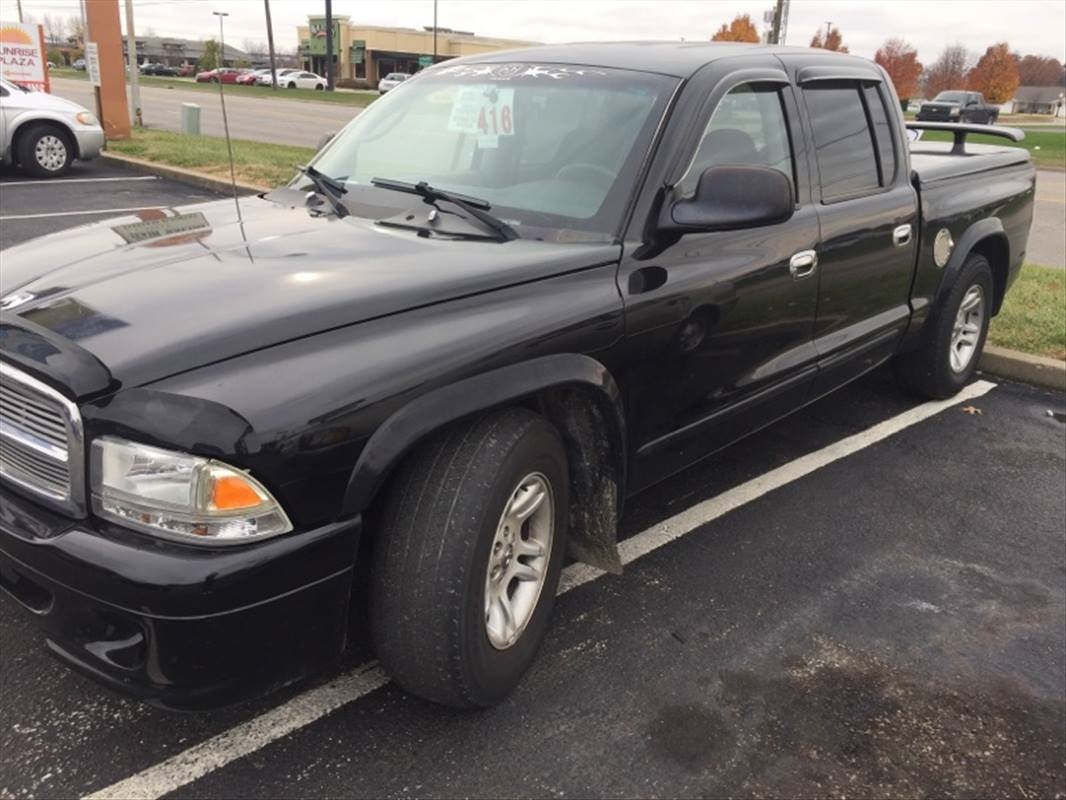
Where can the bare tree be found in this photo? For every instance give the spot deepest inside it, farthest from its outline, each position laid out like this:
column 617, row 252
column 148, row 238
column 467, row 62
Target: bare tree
column 53, row 29
column 75, row 30
column 948, row 71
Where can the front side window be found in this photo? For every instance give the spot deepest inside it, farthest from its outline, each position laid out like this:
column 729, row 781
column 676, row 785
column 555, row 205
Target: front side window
column 843, row 142
column 747, row 127
column 554, row 148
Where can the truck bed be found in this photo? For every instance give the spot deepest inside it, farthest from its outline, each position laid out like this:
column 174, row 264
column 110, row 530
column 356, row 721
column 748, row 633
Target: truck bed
column 934, row 161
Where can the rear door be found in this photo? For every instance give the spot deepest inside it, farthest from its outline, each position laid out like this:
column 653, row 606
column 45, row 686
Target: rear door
column 867, row 210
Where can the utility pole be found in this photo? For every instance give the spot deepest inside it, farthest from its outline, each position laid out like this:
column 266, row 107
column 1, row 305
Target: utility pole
column 434, row 31
column 134, row 72
column 828, row 27
column 270, row 46
column 329, row 45
column 775, row 31
column 20, row 9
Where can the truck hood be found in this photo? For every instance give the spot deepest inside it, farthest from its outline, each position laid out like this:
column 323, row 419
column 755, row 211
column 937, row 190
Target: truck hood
column 166, row 291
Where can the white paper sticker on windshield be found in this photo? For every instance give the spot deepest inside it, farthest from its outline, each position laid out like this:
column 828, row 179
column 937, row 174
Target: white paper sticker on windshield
column 486, row 111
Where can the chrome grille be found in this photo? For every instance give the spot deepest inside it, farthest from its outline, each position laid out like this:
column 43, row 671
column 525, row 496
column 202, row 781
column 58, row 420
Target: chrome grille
column 41, row 444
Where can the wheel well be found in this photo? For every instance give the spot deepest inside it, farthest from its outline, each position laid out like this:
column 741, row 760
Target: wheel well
column 21, row 130
column 595, row 447
column 997, row 251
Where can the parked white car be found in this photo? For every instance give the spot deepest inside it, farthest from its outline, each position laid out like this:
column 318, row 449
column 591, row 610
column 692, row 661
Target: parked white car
column 392, row 80
column 302, row 80
column 43, row 133
column 264, row 79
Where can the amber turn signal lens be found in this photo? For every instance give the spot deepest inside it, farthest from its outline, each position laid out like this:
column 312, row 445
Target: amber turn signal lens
column 230, row 492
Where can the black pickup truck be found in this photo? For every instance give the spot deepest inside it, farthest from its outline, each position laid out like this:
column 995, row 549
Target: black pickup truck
column 958, row 106
column 403, row 389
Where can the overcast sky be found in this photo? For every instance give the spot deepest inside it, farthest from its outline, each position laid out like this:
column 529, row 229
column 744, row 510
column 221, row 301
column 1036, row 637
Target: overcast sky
column 1030, row 26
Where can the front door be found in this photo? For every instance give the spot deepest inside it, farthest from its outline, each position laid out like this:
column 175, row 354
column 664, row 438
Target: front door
column 719, row 325
column 868, row 215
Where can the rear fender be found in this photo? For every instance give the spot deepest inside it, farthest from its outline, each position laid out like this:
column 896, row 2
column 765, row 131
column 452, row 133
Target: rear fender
column 983, row 233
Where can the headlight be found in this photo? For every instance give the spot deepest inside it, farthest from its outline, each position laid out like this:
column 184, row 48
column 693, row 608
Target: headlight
column 955, row 112
column 181, row 496
column 85, row 118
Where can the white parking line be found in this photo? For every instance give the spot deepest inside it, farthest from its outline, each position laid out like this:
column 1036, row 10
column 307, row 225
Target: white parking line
column 81, row 213
column 302, row 710
column 51, row 181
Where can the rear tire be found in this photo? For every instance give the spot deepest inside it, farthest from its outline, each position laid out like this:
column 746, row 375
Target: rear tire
column 453, row 531
column 45, row 151
column 954, row 337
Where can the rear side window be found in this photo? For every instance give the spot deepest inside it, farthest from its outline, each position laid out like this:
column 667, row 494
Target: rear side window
column 747, row 127
column 843, row 141
column 883, row 137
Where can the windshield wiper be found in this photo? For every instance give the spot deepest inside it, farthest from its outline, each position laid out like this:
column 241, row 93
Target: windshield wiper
column 328, row 187
column 475, row 207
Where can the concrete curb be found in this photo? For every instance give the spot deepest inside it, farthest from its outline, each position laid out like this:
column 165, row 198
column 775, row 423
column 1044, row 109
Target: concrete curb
column 220, row 185
column 1047, row 373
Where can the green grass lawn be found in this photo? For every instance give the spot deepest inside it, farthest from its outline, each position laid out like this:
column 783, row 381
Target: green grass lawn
column 266, row 165
column 360, row 99
column 1047, row 147
column 1033, row 318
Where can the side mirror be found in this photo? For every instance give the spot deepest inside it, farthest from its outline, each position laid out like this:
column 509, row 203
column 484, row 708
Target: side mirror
column 731, row 197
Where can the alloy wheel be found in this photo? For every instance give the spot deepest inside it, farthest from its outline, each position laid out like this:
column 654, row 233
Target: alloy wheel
column 518, row 561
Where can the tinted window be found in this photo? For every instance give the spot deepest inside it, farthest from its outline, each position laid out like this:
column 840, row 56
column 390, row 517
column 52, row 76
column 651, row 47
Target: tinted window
column 747, row 127
column 882, row 133
column 842, row 140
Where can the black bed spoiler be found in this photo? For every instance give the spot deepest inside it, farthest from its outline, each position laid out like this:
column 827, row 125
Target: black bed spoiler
column 962, row 130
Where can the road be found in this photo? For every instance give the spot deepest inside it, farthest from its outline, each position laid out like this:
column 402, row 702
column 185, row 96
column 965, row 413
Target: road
column 278, row 121
column 866, row 599
column 1047, row 240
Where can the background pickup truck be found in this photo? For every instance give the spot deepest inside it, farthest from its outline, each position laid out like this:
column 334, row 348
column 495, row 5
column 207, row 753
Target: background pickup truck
column 405, row 387
column 957, row 106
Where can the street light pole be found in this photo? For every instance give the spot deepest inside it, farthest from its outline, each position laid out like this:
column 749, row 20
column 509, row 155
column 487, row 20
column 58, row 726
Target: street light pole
column 434, row 31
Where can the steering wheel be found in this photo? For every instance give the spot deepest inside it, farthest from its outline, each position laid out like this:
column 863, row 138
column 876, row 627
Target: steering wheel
column 574, row 170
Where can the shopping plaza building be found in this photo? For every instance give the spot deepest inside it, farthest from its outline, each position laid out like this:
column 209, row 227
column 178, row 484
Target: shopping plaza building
column 370, row 52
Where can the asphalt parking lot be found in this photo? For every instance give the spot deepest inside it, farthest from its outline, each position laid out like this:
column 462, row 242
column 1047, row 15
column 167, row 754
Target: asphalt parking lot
column 90, row 192
column 867, row 599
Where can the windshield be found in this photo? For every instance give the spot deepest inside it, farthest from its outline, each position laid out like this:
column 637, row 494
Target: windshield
column 950, row 97
column 554, row 149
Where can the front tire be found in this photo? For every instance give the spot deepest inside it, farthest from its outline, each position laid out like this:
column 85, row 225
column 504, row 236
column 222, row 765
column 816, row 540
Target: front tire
column 45, row 151
column 468, row 557
column 954, row 337
column 292, row 85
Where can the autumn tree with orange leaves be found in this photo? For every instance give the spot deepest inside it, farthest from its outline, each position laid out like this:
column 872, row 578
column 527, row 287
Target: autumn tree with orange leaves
column 995, row 75
column 741, row 29
column 831, row 41
column 900, row 61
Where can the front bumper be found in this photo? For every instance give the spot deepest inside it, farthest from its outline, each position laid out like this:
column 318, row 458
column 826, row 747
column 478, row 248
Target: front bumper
column 90, row 142
column 179, row 626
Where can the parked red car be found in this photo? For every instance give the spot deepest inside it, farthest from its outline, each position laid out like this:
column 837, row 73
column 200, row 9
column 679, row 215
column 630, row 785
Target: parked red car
column 185, row 70
column 225, row 75
column 249, row 76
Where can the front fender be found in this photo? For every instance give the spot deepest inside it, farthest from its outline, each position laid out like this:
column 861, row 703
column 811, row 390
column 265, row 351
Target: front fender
column 408, row 425
column 30, row 116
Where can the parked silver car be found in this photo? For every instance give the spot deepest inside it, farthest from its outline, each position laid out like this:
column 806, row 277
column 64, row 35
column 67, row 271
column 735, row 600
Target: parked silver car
column 391, row 81
column 43, row 133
